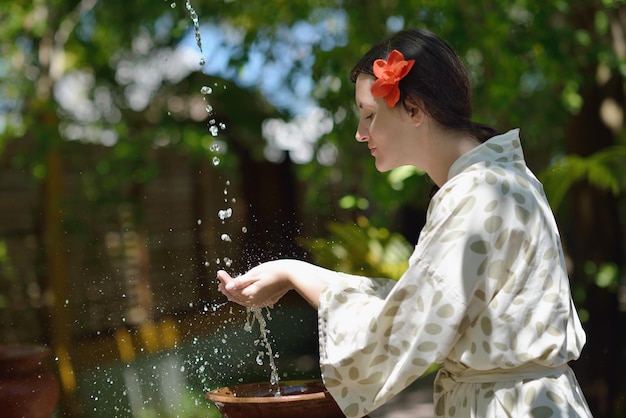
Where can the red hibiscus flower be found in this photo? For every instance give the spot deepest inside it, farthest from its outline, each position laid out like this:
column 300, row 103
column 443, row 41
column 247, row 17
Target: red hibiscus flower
column 388, row 74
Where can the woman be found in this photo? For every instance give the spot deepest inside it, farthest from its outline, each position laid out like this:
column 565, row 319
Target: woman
column 486, row 293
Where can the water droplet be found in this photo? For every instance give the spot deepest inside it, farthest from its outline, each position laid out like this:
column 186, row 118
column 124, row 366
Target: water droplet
column 244, row 229
column 199, row 221
column 225, row 213
column 216, row 161
column 222, row 126
column 209, row 108
column 202, row 62
column 214, row 131
column 226, row 238
column 206, row 90
column 173, row 5
column 215, row 147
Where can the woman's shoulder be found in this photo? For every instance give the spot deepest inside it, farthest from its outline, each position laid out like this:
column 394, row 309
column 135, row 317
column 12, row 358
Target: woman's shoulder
column 483, row 185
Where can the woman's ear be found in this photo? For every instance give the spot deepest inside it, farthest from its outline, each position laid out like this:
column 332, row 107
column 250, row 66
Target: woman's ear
column 415, row 109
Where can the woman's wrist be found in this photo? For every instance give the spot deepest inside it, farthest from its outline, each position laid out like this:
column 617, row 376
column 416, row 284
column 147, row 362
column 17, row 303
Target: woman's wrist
column 307, row 279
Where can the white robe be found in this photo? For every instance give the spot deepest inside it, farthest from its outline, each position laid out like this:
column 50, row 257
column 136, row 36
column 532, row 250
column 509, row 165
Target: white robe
column 486, row 294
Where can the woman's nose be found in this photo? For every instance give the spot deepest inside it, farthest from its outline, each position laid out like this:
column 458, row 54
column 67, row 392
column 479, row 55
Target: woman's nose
column 361, row 134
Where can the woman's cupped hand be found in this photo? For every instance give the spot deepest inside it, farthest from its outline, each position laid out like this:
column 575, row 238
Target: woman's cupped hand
column 261, row 286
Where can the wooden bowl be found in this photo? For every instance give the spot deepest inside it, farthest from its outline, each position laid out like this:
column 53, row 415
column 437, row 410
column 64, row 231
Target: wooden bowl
column 297, row 399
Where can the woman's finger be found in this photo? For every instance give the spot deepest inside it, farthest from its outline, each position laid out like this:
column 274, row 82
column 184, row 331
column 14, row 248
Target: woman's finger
column 241, row 282
column 223, row 276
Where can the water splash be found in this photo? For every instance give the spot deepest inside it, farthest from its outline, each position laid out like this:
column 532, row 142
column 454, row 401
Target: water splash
column 257, row 314
column 225, row 214
column 213, row 128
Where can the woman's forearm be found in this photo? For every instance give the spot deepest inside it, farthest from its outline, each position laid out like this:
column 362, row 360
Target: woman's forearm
column 308, row 279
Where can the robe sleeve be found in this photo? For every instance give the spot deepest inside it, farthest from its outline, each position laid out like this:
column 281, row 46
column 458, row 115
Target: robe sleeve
column 373, row 345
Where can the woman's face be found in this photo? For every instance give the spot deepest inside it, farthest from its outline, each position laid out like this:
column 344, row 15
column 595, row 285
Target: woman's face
column 389, row 133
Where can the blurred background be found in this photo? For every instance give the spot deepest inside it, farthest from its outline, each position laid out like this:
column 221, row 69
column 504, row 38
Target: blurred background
column 146, row 144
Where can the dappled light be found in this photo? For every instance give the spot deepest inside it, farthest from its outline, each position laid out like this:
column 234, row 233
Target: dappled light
column 145, row 145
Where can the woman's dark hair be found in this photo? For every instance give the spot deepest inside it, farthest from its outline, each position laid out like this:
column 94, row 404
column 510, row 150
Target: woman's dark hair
column 438, row 79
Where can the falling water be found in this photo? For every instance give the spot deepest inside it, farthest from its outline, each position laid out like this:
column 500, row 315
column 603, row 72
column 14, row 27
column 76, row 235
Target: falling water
column 252, row 313
column 196, row 26
column 257, row 313
column 224, row 214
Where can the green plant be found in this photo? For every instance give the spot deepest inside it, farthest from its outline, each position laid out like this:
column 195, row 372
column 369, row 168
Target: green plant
column 603, row 169
column 361, row 248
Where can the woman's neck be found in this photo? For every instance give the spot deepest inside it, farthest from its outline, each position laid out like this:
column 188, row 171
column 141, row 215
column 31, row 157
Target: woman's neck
column 447, row 147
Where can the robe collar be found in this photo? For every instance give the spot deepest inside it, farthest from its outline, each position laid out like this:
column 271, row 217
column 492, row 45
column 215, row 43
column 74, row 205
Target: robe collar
column 500, row 149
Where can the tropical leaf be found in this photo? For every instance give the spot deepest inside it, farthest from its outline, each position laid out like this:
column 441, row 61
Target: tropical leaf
column 603, row 169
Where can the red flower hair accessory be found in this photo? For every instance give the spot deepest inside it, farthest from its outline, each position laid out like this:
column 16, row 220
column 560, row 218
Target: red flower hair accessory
column 388, row 74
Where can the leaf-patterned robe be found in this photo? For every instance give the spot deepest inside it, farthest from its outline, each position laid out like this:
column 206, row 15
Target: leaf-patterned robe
column 486, row 294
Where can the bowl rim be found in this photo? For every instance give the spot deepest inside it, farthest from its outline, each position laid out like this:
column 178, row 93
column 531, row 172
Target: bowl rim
column 219, row 395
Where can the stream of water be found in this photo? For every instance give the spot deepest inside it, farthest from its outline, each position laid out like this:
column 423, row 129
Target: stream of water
column 253, row 314
column 257, row 314
column 196, row 26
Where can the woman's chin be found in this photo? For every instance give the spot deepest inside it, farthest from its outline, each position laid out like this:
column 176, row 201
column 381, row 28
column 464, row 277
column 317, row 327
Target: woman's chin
column 382, row 168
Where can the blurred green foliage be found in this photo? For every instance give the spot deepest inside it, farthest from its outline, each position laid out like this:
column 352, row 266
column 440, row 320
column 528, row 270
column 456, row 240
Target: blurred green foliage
column 362, row 249
column 520, row 54
column 97, row 72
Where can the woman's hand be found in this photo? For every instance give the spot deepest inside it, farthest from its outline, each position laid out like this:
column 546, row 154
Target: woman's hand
column 263, row 285
column 266, row 283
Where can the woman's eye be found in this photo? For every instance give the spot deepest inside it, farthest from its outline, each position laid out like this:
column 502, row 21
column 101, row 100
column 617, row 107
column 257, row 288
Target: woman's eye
column 370, row 116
